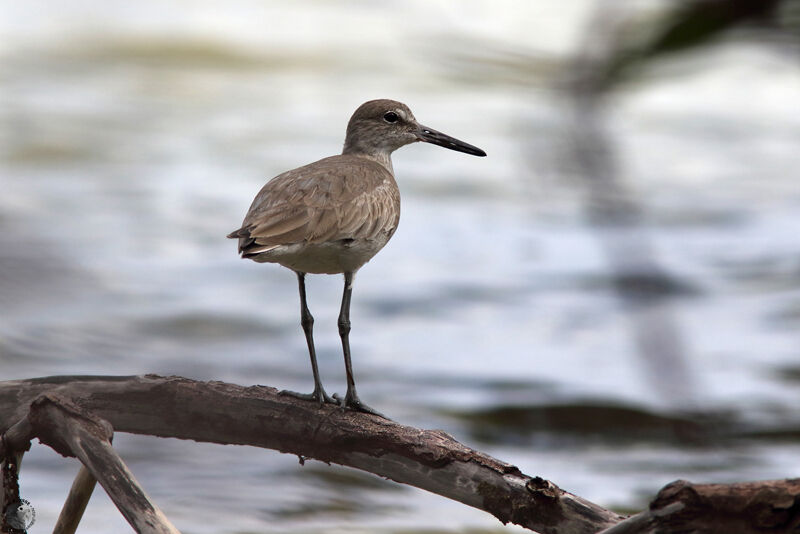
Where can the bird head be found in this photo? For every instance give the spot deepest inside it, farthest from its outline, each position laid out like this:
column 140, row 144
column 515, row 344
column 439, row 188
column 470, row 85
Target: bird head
column 379, row 127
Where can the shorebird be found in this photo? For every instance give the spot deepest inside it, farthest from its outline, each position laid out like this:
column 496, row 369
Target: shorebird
column 332, row 216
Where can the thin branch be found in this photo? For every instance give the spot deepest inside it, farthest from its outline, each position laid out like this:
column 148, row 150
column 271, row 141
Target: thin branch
column 75, row 505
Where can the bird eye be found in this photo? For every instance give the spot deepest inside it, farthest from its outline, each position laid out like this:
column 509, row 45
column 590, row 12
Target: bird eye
column 390, row 116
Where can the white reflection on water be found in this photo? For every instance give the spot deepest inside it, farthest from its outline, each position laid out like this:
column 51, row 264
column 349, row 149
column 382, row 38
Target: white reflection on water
column 135, row 135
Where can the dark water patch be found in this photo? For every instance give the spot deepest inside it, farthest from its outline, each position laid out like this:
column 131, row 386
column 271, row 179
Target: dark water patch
column 34, row 275
column 789, row 373
column 788, row 316
column 74, row 345
column 790, row 433
column 192, row 53
column 774, row 272
column 705, row 463
column 687, row 217
column 638, row 286
column 331, row 507
column 41, row 152
column 319, row 507
column 481, row 384
column 19, row 354
column 482, row 62
column 205, row 327
column 446, row 298
column 431, row 389
column 344, row 480
column 582, row 422
column 507, row 385
column 399, row 306
column 479, row 294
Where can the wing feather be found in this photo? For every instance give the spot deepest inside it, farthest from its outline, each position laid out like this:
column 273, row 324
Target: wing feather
column 342, row 197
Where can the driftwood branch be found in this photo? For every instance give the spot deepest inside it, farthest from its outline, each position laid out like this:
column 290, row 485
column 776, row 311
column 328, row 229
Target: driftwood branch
column 75, row 505
column 226, row 413
column 742, row 508
column 76, row 415
column 72, row 431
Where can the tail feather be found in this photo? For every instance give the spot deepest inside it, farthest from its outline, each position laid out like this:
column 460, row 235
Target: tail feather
column 245, row 240
column 241, row 232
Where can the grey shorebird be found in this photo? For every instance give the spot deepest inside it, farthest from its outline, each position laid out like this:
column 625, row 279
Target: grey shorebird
column 332, row 216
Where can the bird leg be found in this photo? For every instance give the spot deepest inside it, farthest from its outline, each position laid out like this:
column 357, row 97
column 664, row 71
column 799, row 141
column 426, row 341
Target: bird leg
column 351, row 399
column 307, row 321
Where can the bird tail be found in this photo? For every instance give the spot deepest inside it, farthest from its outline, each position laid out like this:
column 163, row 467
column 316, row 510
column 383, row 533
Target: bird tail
column 241, row 232
column 243, row 235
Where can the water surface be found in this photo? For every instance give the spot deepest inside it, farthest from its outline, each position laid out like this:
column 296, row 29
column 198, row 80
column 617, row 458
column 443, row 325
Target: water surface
column 134, row 137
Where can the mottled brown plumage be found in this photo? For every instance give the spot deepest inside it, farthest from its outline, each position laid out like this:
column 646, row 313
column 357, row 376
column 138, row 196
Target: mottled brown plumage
column 346, row 203
column 334, row 215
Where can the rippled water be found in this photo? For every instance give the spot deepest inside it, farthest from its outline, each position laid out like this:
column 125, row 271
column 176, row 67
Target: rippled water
column 135, row 136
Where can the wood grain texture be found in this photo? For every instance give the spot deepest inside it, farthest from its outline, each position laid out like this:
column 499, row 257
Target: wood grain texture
column 226, row 413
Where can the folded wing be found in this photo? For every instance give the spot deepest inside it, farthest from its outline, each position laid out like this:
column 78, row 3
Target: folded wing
column 339, row 198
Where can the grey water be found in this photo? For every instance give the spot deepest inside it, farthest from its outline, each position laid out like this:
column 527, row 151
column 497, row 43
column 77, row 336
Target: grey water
column 134, row 137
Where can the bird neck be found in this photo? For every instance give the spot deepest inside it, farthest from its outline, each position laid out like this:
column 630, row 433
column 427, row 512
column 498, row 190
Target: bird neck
column 380, row 156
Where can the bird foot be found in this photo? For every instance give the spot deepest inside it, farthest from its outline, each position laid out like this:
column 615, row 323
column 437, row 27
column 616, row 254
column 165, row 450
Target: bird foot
column 352, row 402
column 318, row 395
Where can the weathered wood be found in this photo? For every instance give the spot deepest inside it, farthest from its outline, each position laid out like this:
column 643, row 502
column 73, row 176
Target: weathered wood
column 75, row 505
column 642, row 523
column 432, row 460
column 259, row 416
column 71, row 431
column 771, row 506
column 13, row 444
column 17, row 438
column 9, row 479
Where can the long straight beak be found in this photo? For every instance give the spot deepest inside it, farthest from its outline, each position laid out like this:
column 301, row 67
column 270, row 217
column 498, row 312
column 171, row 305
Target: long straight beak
column 429, row 135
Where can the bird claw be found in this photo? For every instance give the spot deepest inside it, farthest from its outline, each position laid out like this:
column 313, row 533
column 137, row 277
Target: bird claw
column 352, row 402
column 318, row 395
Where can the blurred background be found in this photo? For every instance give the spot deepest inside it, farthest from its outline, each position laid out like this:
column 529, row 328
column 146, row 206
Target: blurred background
column 610, row 300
